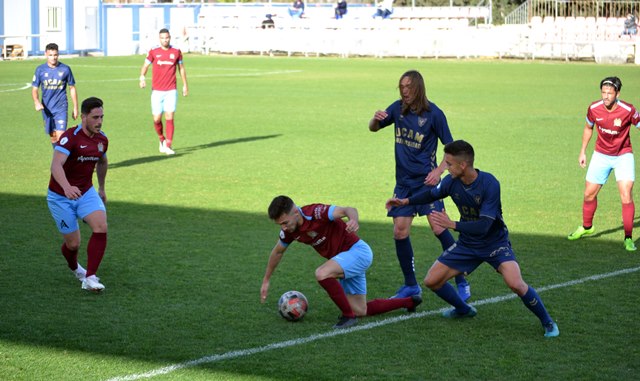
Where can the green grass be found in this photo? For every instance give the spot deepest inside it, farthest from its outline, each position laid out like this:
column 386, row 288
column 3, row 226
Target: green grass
column 189, row 236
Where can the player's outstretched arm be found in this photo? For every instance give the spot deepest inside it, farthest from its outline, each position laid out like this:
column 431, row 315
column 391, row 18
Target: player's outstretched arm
column 274, row 259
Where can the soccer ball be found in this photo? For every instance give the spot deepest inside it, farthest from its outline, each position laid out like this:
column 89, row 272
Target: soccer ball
column 292, row 305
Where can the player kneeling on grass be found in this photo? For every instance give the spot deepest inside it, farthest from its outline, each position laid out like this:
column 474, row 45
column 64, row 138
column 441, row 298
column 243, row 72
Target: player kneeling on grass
column 343, row 276
column 71, row 194
column 483, row 235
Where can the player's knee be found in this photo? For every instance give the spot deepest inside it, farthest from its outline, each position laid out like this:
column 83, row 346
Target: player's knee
column 431, row 283
column 322, row 274
column 72, row 244
column 400, row 232
column 100, row 227
column 519, row 288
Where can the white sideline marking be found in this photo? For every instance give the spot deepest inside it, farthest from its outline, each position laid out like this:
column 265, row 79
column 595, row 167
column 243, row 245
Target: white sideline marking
column 25, row 86
column 308, row 339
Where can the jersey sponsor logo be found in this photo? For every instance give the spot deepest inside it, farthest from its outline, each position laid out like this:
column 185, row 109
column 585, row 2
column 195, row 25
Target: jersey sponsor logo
column 409, row 137
column 63, row 141
column 319, row 242
column 82, row 159
column 161, row 62
column 608, row 131
column 318, row 210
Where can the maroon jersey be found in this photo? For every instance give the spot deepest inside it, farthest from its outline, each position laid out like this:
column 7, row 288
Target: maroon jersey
column 164, row 67
column 83, row 155
column 613, row 127
column 328, row 237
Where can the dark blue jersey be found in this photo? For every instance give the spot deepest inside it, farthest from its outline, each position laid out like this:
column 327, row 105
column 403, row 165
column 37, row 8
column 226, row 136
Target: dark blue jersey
column 416, row 141
column 53, row 83
column 481, row 224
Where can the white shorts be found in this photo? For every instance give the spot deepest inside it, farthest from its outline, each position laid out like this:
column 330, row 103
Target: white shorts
column 601, row 165
column 163, row 101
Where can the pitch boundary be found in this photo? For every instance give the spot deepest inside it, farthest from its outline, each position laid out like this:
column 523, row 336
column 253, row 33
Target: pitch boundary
column 333, row 333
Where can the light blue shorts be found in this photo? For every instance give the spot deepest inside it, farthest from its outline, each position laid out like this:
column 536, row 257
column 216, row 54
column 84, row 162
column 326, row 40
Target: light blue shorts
column 66, row 212
column 163, row 101
column 354, row 263
column 601, row 165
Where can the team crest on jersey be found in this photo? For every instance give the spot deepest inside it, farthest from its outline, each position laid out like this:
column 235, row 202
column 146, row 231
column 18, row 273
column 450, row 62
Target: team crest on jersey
column 617, row 122
column 281, row 234
column 172, row 56
column 312, row 234
column 100, row 147
column 46, row 75
column 421, row 121
column 477, row 199
column 60, row 74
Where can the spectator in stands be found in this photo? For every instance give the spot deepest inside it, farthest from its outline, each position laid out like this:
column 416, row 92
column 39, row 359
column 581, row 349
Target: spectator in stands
column 296, row 10
column 340, row 9
column 630, row 26
column 385, row 9
column 268, row 23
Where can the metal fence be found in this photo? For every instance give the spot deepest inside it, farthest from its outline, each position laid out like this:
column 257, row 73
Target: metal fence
column 572, row 8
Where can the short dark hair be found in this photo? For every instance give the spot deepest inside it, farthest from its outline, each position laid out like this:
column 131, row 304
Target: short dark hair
column 279, row 206
column 460, row 149
column 89, row 104
column 164, row 30
column 614, row 82
column 51, row 46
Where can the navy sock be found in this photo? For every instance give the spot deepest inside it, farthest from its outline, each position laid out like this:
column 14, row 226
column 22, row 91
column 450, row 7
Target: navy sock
column 404, row 251
column 446, row 239
column 449, row 295
column 533, row 302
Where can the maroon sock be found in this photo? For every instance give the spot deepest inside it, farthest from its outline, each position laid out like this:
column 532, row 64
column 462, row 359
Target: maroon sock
column 588, row 211
column 628, row 211
column 95, row 252
column 380, row 306
column 336, row 293
column 71, row 256
column 158, row 128
column 170, row 129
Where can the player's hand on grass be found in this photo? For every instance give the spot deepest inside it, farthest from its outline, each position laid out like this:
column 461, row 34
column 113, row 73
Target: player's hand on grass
column 264, row 290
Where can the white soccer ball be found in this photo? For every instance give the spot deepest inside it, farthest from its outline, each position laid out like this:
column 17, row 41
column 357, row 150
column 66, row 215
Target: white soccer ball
column 293, row 305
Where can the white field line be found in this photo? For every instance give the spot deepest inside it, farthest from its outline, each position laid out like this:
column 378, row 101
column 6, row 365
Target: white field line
column 367, row 326
column 15, row 87
column 19, row 86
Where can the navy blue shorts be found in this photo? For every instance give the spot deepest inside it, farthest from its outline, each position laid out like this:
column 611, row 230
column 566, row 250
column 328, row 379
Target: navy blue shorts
column 465, row 259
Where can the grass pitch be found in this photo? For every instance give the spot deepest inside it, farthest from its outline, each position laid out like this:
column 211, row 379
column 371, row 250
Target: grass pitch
column 189, row 236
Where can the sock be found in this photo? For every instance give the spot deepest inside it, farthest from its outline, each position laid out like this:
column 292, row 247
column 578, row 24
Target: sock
column 170, row 129
column 380, row 306
column 449, row 295
column 336, row 293
column 158, row 128
column 460, row 279
column 588, row 211
column 95, row 252
column 446, row 239
column 71, row 256
column 404, row 251
column 628, row 211
column 533, row 302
